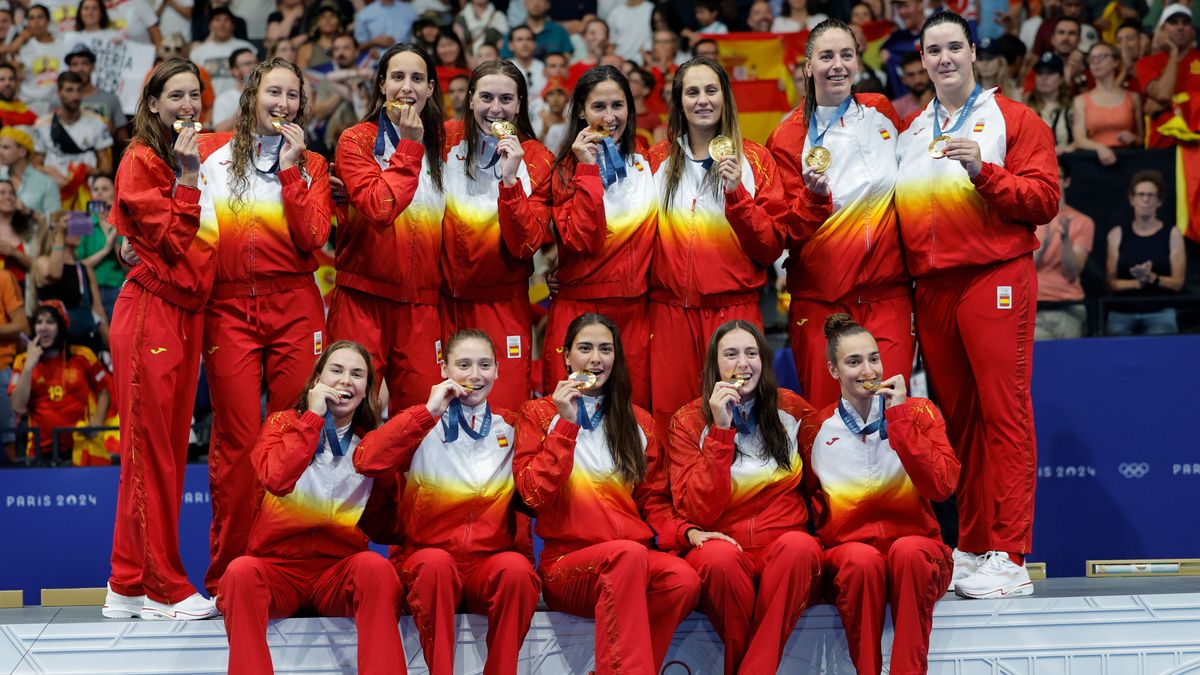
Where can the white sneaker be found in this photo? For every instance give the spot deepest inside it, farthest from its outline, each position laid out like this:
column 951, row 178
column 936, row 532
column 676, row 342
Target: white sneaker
column 117, row 606
column 965, row 564
column 194, row 607
column 997, row 577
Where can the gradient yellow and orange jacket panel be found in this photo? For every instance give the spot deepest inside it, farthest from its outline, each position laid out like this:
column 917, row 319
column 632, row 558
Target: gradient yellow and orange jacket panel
column 949, row 220
column 390, row 242
column 856, row 245
column 876, row 490
column 721, row 481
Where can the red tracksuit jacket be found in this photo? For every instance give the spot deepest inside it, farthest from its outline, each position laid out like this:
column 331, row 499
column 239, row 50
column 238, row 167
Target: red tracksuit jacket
column 490, row 232
column 950, row 220
column 878, row 490
column 389, row 243
column 713, row 250
column 721, row 490
column 162, row 222
column 565, row 473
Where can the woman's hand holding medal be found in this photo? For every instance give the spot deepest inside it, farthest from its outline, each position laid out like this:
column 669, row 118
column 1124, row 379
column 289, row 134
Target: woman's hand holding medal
column 587, row 146
column 729, row 168
column 816, row 181
column 893, row 390
column 440, row 396
column 565, row 393
column 408, row 123
column 293, row 145
column 724, row 396
column 966, row 152
column 511, row 154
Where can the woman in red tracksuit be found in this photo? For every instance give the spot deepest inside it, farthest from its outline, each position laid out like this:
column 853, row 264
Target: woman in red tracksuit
column 155, row 339
column 497, row 216
column 270, row 199
column 720, row 226
column 872, row 462
column 388, row 247
column 978, row 175
column 465, row 544
column 845, row 253
column 587, row 462
column 605, row 213
column 308, row 543
column 735, row 468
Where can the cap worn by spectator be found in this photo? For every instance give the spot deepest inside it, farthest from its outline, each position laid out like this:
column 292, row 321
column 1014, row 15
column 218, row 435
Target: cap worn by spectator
column 1174, row 10
column 1048, row 63
column 19, row 137
column 555, row 83
column 80, row 50
column 987, row 49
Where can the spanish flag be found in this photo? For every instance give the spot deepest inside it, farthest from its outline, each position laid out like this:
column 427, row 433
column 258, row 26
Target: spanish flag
column 875, row 33
column 759, row 65
column 1183, row 126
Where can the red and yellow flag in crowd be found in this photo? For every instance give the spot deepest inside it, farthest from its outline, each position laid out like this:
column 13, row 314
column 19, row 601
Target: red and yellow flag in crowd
column 1184, row 127
column 759, row 67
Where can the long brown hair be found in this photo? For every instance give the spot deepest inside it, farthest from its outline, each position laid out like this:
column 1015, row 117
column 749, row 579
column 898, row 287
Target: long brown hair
column 148, row 127
column 366, row 415
column 810, row 82
column 620, row 424
column 247, row 126
column 677, row 126
column 776, row 444
column 471, row 129
column 587, row 82
column 432, row 117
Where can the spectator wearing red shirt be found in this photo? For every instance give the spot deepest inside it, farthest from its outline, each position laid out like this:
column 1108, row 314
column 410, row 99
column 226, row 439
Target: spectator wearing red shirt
column 56, row 382
column 1066, row 242
column 13, row 322
column 1173, row 68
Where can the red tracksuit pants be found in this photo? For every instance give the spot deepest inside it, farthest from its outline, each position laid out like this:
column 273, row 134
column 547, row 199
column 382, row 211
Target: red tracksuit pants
column 755, row 624
column 890, row 321
column 363, row 586
column 156, row 364
column 678, row 342
column 503, row 587
column 402, row 339
column 976, row 333
column 911, row 578
column 637, row 596
column 276, row 339
column 632, row 316
column 509, row 323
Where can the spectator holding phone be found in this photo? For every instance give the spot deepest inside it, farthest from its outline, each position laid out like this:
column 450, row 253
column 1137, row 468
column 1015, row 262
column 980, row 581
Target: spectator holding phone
column 98, row 250
column 58, row 275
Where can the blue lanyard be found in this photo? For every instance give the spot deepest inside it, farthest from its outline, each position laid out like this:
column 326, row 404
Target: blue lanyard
column 582, row 418
column 489, row 146
column 818, row 138
column 879, row 425
column 962, row 115
column 612, row 163
column 459, row 421
column 338, row 446
column 385, row 127
column 743, row 420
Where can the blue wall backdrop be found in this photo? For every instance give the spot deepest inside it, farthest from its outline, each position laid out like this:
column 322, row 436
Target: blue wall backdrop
column 1118, row 467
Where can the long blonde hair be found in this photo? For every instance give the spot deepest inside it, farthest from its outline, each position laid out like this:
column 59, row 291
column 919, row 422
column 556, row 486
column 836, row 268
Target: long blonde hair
column 247, row 124
column 677, row 126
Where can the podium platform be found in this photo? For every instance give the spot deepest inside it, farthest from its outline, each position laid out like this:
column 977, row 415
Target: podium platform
column 1068, row 627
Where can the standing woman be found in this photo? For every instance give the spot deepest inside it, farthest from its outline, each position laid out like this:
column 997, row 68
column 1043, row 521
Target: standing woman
column 588, row 462
column 269, row 197
column 388, row 248
column 497, row 212
column 720, row 226
column 605, row 211
column 155, row 336
column 735, row 468
column 463, row 537
column 840, row 156
column 979, row 175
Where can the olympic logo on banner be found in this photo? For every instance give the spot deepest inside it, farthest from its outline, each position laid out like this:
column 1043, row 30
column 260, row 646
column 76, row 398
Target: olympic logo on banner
column 1134, row 469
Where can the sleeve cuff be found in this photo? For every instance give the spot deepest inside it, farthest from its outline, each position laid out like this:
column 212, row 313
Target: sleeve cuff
column 568, row 430
column 985, row 175
column 724, row 436
column 187, row 194
column 422, row 417
column 898, row 413
column 737, row 196
column 408, row 148
column 587, row 170
column 289, row 175
column 513, row 192
column 311, row 419
column 816, row 199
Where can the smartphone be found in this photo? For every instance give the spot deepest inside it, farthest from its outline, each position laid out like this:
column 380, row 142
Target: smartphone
column 96, row 207
column 79, row 224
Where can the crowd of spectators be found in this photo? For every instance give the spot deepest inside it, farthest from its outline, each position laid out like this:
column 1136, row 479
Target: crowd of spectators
column 1106, row 77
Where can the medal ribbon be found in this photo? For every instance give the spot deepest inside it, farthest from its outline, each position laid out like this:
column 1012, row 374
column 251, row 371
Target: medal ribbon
column 582, row 418
column 962, row 114
column 612, row 163
column 385, row 126
column 743, row 419
column 268, row 152
column 459, row 421
column 819, row 138
column 879, row 425
column 490, row 150
column 338, row 446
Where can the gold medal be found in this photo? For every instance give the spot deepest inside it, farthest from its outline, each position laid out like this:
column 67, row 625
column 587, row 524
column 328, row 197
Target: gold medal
column 736, row 380
column 184, row 122
column 872, row 385
column 818, row 159
column 502, row 128
column 277, row 122
column 588, row 380
column 602, row 132
column 937, row 147
column 398, row 106
column 470, row 387
column 721, row 147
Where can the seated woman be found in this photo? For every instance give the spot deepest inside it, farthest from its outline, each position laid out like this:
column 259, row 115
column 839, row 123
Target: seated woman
column 308, row 544
column 465, row 546
column 872, row 463
column 57, row 383
column 588, row 462
column 58, row 275
column 735, row 469
column 1106, row 116
column 1145, row 257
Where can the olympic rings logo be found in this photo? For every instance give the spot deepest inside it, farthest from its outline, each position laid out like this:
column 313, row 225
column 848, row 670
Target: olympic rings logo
column 1134, row 469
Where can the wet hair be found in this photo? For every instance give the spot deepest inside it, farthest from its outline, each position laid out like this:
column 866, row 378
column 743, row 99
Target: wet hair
column 432, row 117
column 950, row 18
column 242, row 144
column 462, row 335
column 838, row 326
column 148, row 127
column 621, row 429
column 575, row 113
column 366, row 415
column 776, row 444
column 810, row 82
column 677, row 126
column 471, row 130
